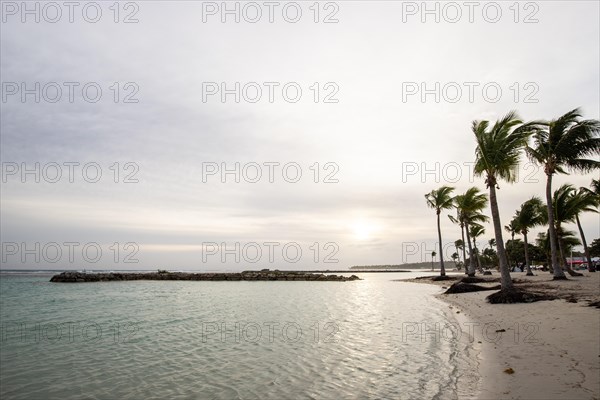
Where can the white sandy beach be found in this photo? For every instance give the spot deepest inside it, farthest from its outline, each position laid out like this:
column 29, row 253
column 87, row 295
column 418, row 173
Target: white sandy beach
column 553, row 347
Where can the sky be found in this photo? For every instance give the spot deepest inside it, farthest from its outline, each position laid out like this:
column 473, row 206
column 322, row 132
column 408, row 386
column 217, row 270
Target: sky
column 303, row 135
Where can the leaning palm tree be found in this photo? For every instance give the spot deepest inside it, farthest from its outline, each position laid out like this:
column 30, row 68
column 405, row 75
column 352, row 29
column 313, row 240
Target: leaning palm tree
column 560, row 145
column 531, row 214
column 569, row 241
column 440, row 199
column 497, row 157
column 566, row 208
column 587, row 201
column 568, row 204
column 468, row 211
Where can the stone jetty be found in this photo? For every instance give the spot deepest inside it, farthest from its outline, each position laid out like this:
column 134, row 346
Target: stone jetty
column 264, row 275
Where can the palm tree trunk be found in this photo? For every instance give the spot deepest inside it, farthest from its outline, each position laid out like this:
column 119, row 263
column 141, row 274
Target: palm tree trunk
column 442, row 269
column 547, row 252
column 462, row 232
column 529, row 273
column 591, row 267
column 558, row 272
column 471, row 271
column 505, row 279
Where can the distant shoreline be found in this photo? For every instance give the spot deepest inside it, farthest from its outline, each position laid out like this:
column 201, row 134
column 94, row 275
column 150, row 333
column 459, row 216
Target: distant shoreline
column 423, row 266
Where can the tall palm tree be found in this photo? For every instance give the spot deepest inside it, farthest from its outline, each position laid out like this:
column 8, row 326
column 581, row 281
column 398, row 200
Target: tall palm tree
column 560, row 145
column 497, row 157
column 512, row 229
column 461, row 223
column 476, row 230
column 531, row 214
column 440, row 199
column 468, row 211
column 585, row 201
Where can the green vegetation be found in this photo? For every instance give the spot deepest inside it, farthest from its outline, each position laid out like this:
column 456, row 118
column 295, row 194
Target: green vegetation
column 559, row 146
column 440, row 199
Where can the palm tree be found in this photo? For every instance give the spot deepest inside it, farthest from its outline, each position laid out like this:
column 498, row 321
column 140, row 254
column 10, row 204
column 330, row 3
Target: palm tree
column 491, row 254
column 433, row 253
column 568, row 204
column 497, row 157
column 461, row 223
column 531, row 214
column 588, row 201
column 566, row 208
column 440, row 199
column 568, row 242
column 468, row 211
column 460, row 245
column 475, row 231
column 558, row 144
column 512, row 229
column 490, row 257
column 544, row 244
column 454, row 257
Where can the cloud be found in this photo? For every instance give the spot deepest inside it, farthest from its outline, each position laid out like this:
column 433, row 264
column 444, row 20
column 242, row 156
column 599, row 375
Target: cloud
column 374, row 136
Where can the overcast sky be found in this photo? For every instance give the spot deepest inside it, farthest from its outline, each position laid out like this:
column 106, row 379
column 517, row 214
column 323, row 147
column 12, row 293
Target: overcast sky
column 373, row 131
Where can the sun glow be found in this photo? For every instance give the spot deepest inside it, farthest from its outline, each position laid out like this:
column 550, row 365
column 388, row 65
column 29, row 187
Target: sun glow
column 362, row 229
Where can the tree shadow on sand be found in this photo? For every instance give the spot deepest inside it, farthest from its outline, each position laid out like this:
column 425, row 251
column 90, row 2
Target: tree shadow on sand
column 515, row 295
column 518, row 295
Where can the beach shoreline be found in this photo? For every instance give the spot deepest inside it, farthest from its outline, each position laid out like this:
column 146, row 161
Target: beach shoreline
column 540, row 350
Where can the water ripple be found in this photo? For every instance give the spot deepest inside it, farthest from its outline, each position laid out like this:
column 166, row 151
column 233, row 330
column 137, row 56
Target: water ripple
column 187, row 340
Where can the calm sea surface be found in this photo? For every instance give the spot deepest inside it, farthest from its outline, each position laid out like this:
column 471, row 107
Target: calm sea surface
column 226, row 340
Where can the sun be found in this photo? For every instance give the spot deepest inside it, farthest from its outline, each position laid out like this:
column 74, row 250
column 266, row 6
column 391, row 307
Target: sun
column 362, row 230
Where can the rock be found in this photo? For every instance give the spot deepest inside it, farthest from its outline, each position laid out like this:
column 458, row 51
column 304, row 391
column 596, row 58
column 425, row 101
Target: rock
column 263, row 275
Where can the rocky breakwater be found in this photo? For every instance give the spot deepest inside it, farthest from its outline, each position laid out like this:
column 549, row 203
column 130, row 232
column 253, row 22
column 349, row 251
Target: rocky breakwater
column 69, row 276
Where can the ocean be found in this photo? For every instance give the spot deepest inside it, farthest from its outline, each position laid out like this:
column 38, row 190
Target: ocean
column 229, row 340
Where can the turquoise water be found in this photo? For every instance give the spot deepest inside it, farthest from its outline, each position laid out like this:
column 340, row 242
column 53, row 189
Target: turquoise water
column 224, row 340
